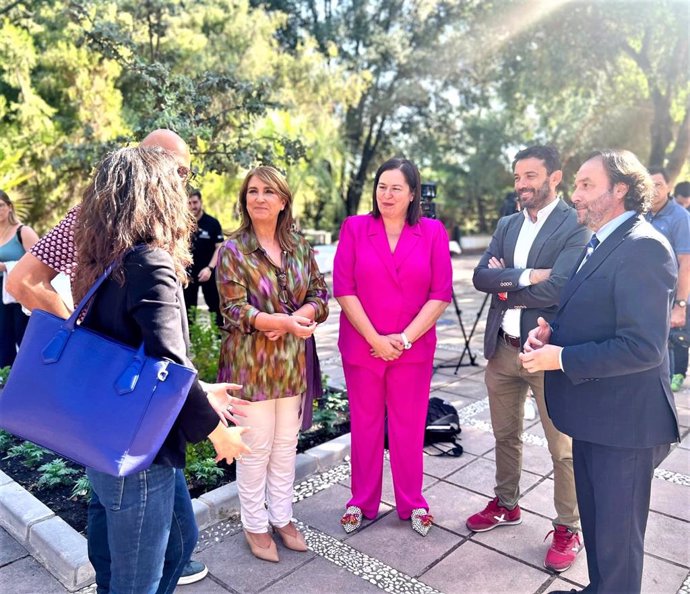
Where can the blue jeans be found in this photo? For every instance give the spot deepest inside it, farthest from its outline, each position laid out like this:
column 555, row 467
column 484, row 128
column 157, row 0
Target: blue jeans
column 141, row 530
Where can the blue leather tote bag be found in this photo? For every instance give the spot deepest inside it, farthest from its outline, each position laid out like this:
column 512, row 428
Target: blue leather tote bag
column 89, row 398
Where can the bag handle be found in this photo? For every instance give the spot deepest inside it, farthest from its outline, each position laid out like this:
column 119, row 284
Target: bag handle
column 53, row 350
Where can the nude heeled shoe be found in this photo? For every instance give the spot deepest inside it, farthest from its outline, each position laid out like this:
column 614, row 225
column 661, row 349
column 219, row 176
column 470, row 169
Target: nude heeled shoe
column 264, row 552
column 292, row 538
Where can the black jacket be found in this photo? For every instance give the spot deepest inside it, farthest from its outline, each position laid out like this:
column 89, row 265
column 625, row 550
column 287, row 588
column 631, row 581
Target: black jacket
column 150, row 308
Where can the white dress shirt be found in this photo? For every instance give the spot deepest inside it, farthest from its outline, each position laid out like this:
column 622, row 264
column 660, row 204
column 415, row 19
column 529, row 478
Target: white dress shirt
column 528, row 233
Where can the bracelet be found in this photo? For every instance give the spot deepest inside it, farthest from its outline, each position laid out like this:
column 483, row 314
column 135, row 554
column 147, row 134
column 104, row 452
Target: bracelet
column 407, row 345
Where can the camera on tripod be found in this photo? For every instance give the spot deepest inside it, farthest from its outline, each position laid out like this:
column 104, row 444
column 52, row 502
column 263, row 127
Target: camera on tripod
column 428, row 192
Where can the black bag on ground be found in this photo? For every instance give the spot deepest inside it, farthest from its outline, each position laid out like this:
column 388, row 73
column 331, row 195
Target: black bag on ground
column 442, row 427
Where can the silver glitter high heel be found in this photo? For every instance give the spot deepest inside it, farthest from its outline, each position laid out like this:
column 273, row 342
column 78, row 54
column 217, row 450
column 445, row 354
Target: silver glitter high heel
column 422, row 521
column 352, row 519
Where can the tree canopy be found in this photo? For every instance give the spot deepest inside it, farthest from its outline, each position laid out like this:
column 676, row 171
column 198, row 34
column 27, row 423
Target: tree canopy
column 327, row 90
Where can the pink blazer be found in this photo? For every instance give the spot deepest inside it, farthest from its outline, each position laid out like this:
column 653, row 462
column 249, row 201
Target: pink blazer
column 391, row 287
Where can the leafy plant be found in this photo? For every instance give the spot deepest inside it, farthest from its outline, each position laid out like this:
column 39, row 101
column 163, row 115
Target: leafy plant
column 56, row 473
column 31, row 454
column 331, row 410
column 81, row 488
column 205, row 472
column 4, row 373
column 204, row 345
column 5, row 441
column 201, row 465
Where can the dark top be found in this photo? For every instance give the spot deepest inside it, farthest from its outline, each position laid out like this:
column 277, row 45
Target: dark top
column 204, row 240
column 613, row 323
column 149, row 308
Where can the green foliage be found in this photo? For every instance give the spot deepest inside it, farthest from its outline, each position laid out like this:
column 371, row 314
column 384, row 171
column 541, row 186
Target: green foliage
column 332, row 410
column 5, row 441
column 326, row 91
column 201, row 467
column 56, row 473
column 204, row 345
column 81, row 488
column 30, row 454
column 205, row 472
column 4, row 374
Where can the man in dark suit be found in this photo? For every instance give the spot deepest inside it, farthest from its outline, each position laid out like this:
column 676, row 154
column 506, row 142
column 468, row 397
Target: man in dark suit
column 524, row 269
column 607, row 380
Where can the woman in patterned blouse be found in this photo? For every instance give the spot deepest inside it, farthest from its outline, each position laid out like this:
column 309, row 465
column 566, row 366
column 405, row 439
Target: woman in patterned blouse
column 271, row 297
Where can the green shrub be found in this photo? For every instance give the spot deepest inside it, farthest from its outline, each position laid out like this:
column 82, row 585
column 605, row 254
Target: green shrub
column 81, row 488
column 4, row 372
column 331, row 410
column 204, row 345
column 5, row 441
column 31, row 454
column 200, row 458
column 205, row 472
column 56, row 473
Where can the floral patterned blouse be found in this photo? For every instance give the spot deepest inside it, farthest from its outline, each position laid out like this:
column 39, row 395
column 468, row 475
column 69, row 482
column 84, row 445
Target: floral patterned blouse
column 248, row 284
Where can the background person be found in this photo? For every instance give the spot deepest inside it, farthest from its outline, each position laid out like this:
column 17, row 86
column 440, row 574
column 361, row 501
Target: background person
column 524, row 269
column 136, row 199
column 393, row 279
column 607, row 382
column 30, row 282
column 673, row 221
column 15, row 239
column 206, row 239
column 682, row 193
column 271, row 297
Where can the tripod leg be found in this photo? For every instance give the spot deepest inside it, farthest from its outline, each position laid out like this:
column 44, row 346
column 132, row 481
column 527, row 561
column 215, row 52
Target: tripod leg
column 473, row 357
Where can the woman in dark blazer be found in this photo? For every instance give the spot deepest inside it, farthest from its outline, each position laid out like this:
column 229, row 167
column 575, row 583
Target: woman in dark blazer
column 141, row 528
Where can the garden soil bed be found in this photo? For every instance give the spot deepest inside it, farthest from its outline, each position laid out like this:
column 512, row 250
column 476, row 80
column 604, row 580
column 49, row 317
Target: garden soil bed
column 73, row 509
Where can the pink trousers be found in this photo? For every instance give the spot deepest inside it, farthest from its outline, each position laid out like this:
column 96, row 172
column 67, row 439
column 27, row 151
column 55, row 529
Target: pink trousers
column 403, row 392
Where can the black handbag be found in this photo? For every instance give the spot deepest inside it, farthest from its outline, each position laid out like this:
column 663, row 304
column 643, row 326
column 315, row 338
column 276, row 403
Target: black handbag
column 442, row 426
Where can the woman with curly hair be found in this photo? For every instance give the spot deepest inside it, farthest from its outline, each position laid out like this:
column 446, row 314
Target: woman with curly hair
column 141, row 528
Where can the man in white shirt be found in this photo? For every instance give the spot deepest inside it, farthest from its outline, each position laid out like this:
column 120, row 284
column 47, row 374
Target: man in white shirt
column 531, row 255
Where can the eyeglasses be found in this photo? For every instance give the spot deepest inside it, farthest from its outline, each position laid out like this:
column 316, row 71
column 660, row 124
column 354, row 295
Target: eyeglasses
column 186, row 174
column 282, row 283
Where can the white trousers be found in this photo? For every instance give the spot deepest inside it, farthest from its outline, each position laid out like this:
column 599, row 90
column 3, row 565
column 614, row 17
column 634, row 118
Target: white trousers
column 265, row 478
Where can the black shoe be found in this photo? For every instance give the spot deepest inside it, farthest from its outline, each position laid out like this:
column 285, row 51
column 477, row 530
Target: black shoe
column 193, row 572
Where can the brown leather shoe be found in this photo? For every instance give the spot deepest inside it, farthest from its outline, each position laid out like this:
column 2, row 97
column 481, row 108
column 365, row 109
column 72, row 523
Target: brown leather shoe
column 262, row 546
column 292, row 538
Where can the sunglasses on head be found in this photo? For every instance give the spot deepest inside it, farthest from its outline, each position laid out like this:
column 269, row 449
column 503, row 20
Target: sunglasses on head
column 185, row 173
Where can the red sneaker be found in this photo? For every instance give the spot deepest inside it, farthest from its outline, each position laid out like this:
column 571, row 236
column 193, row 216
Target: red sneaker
column 563, row 550
column 494, row 514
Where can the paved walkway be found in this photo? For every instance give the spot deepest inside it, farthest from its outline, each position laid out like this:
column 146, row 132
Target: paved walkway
column 386, row 554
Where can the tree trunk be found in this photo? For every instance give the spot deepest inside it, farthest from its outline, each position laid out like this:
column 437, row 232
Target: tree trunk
column 680, row 151
column 661, row 128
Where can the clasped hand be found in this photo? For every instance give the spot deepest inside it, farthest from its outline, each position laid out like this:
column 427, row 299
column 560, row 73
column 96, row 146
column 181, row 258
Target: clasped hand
column 299, row 326
column 388, row 347
column 538, row 354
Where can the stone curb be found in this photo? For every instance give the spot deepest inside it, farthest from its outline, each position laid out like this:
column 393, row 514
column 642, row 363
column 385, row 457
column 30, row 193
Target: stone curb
column 63, row 551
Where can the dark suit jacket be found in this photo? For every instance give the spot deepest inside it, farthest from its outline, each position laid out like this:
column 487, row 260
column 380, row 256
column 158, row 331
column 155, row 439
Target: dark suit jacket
column 613, row 322
column 558, row 245
column 149, row 307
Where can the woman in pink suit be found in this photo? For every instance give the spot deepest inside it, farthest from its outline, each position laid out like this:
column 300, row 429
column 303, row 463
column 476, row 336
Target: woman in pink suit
column 393, row 279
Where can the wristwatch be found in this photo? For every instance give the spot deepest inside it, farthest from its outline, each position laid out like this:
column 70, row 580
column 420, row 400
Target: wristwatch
column 680, row 303
column 407, row 345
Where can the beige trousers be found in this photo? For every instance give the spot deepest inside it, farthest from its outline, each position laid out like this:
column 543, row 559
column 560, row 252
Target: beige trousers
column 265, row 478
column 507, row 383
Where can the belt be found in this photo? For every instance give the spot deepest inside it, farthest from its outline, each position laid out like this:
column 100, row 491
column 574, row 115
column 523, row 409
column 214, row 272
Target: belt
column 513, row 341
